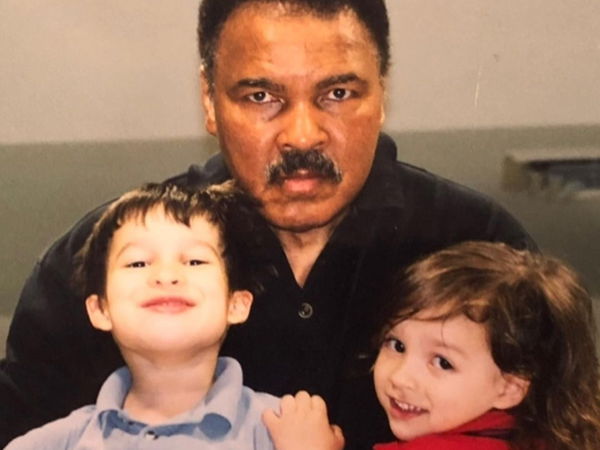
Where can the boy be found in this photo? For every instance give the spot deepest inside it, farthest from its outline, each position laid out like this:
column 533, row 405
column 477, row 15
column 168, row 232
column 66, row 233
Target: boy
column 159, row 272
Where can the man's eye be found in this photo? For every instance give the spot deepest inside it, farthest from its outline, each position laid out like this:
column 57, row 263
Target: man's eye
column 137, row 264
column 442, row 363
column 339, row 94
column 394, row 345
column 261, row 97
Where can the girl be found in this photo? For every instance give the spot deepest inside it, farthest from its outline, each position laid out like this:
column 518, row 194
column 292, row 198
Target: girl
column 482, row 347
column 488, row 347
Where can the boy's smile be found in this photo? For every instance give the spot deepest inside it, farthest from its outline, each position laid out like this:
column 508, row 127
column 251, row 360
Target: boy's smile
column 169, row 305
column 167, row 287
column 432, row 376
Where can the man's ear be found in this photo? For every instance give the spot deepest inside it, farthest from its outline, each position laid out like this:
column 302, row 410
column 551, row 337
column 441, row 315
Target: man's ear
column 97, row 313
column 208, row 104
column 384, row 101
column 512, row 392
column 239, row 307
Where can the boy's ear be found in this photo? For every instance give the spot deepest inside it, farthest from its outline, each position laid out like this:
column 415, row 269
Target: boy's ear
column 239, row 307
column 513, row 392
column 97, row 313
column 208, row 104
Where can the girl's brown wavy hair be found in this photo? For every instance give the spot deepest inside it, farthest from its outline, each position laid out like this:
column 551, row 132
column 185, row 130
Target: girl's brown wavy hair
column 540, row 327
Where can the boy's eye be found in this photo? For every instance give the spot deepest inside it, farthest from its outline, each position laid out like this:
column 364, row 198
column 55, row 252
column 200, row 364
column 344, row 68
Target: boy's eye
column 442, row 363
column 137, row 264
column 394, row 344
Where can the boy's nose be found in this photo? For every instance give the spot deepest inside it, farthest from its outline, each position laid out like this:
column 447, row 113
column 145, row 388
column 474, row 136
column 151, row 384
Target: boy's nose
column 166, row 281
column 167, row 275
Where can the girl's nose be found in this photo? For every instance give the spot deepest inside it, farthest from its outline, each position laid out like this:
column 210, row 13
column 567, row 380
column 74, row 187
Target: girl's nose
column 404, row 374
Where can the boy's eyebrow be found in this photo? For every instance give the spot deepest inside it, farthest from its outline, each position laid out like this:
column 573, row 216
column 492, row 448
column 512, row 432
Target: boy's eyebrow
column 194, row 243
column 208, row 246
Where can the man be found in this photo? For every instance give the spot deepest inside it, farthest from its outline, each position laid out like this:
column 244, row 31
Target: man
column 294, row 92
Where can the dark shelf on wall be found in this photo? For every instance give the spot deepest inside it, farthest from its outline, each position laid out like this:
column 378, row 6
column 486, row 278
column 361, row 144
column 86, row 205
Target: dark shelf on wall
column 572, row 173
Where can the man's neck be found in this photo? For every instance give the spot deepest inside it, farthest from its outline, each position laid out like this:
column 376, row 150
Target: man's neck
column 303, row 248
column 160, row 390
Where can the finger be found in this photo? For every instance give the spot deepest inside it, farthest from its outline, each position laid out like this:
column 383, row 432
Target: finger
column 339, row 435
column 302, row 397
column 270, row 418
column 288, row 403
column 318, row 404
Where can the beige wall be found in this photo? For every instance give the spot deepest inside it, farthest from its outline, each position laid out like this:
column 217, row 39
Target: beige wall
column 110, row 69
column 490, row 63
column 77, row 70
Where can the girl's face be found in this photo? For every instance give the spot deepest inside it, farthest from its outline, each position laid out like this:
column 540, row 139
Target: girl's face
column 434, row 375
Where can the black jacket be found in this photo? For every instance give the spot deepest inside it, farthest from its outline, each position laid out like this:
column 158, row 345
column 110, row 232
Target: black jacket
column 315, row 337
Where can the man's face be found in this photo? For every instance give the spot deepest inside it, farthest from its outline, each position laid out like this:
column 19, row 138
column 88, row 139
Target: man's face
column 297, row 85
column 166, row 288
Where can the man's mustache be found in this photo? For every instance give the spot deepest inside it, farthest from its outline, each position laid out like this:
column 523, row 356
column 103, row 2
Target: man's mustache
column 313, row 161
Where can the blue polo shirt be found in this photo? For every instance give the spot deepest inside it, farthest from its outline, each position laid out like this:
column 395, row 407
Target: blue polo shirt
column 229, row 417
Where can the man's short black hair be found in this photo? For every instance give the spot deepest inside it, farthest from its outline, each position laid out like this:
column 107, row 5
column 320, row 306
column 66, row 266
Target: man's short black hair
column 372, row 13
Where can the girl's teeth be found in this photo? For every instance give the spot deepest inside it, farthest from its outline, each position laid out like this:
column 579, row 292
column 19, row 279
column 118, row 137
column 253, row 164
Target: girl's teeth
column 407, row 407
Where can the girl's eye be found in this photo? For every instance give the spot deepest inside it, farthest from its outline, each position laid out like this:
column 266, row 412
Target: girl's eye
column 196, row 262
column 137, row 264
column 339, row 94
column 442, row 363
column 261, row 97
column 394, row 344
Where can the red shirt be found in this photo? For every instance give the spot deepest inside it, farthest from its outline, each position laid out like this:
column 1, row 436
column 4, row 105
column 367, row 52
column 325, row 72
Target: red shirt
column 464, row 437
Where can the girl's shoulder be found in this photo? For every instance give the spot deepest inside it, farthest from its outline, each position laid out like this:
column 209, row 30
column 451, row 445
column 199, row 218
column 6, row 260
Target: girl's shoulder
column 447, row 442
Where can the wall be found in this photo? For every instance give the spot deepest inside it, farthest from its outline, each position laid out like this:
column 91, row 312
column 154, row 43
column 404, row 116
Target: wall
column 76, row 70
column 111, row 69
column 488, row 63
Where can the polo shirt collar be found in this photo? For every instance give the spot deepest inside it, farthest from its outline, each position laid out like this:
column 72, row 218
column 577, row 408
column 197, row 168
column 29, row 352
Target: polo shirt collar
column 215, row 414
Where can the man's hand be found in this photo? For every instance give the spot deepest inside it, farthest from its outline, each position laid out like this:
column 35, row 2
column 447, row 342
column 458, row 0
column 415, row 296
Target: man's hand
column 303, row 424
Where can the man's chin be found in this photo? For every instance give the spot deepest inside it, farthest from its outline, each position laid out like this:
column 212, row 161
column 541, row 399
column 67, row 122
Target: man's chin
column 299, row 220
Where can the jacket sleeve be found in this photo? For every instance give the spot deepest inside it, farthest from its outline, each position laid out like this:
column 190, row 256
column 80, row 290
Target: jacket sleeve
column 447, row 213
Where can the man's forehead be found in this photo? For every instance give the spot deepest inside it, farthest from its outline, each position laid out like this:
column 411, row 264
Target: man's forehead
column 259, row 23
column 258, row 43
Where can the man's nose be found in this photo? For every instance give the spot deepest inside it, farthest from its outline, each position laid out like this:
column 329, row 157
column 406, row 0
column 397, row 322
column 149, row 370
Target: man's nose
column 167, row 274
column 302, row 128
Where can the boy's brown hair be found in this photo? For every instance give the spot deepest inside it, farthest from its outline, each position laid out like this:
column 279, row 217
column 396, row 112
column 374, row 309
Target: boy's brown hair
column 224, row 205
column 539, row 323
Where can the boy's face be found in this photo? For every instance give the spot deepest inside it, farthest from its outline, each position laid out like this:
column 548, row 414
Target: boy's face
column 166, row 287
column 432, row 376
